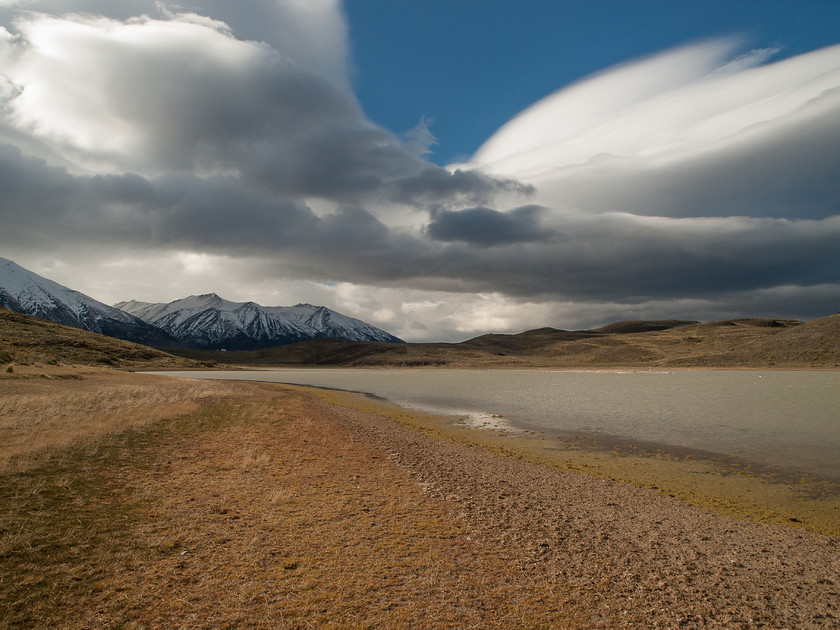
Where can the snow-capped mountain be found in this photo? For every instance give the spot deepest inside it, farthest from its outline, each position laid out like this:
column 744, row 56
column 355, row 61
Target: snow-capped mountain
column 26, row 292
column 208, row 321
column 203, row 321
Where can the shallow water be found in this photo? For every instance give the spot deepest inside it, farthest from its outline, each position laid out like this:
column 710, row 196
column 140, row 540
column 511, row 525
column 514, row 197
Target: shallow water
column 786, row 419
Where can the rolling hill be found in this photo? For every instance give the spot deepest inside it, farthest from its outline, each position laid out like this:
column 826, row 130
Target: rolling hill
column 736, row 343
column 28, row 340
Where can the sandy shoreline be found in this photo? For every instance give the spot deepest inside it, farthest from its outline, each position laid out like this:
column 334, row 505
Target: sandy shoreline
column 635, row 557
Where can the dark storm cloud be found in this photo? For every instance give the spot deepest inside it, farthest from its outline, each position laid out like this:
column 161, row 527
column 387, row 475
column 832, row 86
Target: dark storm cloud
column 434, row 186
column 486, row 227
column 603, row 256
column 183, row 211
column 524, row 252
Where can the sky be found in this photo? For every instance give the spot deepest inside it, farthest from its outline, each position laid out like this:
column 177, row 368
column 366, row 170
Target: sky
column 440, row 169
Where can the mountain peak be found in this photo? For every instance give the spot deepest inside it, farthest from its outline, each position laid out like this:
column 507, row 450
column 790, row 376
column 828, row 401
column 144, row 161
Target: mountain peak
column 204, row 297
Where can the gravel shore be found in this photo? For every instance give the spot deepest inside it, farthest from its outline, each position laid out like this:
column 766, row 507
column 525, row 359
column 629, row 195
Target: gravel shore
column 630, row 557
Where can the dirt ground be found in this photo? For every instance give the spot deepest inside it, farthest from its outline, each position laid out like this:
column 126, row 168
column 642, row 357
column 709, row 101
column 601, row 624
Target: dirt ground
column 251, row 505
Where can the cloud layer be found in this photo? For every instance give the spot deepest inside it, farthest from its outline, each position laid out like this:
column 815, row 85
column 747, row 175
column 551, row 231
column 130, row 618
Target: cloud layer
column 685, row 133
column 697, row 179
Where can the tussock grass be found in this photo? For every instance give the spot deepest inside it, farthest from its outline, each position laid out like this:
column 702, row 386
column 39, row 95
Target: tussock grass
column 41, row 417
column 27, row 340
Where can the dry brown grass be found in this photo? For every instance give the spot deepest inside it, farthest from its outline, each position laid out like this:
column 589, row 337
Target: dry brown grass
column 225, row 505
column 44, row 410
column 29, row 341
column 135, row 501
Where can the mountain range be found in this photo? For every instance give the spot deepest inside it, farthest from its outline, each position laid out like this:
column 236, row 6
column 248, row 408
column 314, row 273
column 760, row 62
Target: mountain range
column 203, row 321
column 213, row 323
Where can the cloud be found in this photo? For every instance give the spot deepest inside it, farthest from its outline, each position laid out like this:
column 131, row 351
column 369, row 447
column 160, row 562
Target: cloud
column 486, row 227
column 419, row 140
column 229, row 145
column 156, row 96
column 312, row 32
column 685, row 133
column 152, row 96
column 434, row 187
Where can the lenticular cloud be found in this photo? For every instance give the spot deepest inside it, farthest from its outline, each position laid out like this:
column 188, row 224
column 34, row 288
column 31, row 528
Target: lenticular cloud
column 710, row 134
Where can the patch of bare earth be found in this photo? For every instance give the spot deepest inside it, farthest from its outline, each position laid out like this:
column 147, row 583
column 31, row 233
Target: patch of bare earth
column 266, row 507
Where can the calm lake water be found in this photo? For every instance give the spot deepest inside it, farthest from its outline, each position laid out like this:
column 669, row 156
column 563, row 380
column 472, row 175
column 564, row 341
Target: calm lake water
column 777, row 418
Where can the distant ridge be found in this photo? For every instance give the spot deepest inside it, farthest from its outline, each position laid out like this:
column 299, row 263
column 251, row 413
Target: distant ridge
column 315, row 335
column 213, row 323
column 639, row 326
column 204, row 321
column 736, row 343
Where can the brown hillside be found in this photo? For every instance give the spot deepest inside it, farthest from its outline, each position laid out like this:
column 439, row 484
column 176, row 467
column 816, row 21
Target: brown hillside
column 528, row 342
column 816, row 342
column 639, row 326
column 757, row 342
column 26, row 340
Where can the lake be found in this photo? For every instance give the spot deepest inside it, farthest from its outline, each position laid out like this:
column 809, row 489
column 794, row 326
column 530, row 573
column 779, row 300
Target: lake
column 786, row 419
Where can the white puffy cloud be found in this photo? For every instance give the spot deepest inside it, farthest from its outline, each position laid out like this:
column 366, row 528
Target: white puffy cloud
column 312, row 32
column 155, row 95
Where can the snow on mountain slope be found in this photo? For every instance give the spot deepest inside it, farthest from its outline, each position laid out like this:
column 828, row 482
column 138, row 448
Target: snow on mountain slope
column 211, row 322
column 26, row 292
